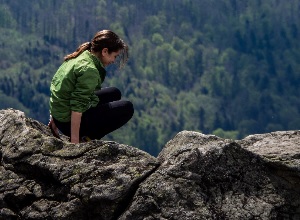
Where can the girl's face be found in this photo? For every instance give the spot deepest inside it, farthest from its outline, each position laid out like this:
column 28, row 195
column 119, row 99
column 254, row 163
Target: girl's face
column 108, row 58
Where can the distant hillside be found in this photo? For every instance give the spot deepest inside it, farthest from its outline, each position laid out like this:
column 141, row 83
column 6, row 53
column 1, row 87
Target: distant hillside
column 228, row 67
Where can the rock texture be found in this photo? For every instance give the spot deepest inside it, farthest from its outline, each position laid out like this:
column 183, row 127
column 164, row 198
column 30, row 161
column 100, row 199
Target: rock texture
column 43, row 177
column 195, row 176
column 206, row 177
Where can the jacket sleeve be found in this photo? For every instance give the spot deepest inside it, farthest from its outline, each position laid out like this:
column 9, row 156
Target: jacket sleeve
column 87, row 79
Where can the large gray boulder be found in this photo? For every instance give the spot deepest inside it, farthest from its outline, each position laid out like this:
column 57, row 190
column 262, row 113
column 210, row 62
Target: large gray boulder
column 43, row 177
column 206, row 177
column 195, row 176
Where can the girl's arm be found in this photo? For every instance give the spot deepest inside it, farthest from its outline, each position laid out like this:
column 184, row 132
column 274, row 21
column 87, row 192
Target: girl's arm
column 75, row 126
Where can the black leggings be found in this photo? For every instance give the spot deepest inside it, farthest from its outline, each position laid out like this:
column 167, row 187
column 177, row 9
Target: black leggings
column 110, row 114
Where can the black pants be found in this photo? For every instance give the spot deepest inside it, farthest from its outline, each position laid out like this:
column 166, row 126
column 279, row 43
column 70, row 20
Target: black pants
column 110, row 114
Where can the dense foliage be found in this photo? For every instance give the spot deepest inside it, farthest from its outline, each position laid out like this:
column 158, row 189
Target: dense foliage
column 227, row 67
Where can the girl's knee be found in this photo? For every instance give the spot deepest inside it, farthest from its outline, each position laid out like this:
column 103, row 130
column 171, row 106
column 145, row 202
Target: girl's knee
column 130, row 108
column 117, row 92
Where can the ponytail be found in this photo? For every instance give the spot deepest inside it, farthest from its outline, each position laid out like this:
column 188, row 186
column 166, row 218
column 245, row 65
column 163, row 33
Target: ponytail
column 80, row 49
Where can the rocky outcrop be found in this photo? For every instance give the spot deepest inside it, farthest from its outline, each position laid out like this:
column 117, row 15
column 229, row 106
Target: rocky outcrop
column 206, row 177
column 196, row 176
column 43, row 177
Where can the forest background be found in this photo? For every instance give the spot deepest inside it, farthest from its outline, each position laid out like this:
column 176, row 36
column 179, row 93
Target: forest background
column 224, row 67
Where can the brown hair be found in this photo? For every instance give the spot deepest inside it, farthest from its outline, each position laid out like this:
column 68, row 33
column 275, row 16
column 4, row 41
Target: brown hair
column 103, row 39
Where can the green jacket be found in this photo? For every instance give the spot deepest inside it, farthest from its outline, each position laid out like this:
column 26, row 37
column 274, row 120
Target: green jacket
column 73, row 85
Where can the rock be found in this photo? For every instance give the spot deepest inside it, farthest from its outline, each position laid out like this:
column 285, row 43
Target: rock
column 206, row 177
column 43, row 177
column 195, row 176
